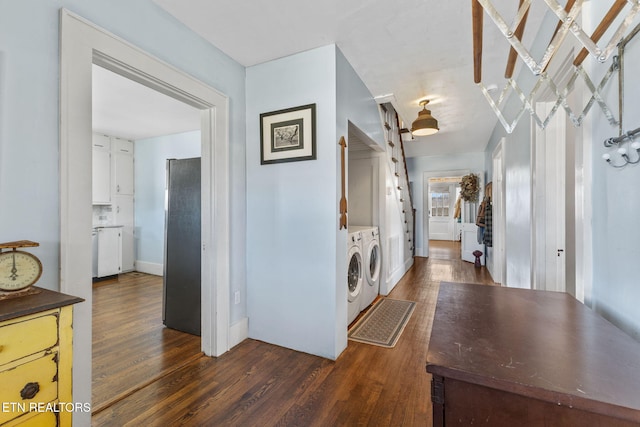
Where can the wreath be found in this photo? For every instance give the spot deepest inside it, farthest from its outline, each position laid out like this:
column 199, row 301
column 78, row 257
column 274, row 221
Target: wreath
column 469, row 188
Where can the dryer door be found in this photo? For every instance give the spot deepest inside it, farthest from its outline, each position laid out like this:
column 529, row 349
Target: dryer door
column 373, row 263
column 354, row 274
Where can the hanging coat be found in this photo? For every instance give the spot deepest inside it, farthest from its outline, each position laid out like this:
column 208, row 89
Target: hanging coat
column 488, row 225
column 480, row 216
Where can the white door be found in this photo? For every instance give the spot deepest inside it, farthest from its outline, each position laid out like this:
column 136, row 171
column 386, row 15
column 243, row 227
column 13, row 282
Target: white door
column 101, row 170
column 109, row 251
column 123, row 166
column 549, row 202
column 441, row 203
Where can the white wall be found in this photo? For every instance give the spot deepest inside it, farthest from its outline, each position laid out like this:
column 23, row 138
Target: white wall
column 29, row 116
column 151, row 155
column 363, row 189
column 418, row 167
column 296, row 253
column 616, row 202
column 291, row 216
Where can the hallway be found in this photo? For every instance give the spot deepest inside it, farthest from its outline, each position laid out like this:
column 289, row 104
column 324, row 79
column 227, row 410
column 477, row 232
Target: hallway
column 444, row 249
column 261, row 384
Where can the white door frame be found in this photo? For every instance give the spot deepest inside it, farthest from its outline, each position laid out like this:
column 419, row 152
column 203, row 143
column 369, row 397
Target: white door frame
column 498, row 261
column 81, row 44
column 425, row 202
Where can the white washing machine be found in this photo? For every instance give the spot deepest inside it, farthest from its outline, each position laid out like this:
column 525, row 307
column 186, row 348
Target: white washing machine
column 355, row 275
column 372, row 264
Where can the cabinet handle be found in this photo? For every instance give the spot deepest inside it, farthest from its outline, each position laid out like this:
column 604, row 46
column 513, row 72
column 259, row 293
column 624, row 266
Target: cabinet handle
column 118, row 188
column 29, row 391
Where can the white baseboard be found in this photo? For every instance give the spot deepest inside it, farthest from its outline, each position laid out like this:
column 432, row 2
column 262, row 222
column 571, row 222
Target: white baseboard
column 150, row 268
column 238, row 332
column 396, row 276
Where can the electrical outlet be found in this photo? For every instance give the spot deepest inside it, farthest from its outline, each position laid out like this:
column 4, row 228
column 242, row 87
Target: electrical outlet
column 236, row 297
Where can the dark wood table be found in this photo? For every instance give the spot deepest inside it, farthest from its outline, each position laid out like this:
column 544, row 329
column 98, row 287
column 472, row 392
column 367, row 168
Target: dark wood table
column 518, row 357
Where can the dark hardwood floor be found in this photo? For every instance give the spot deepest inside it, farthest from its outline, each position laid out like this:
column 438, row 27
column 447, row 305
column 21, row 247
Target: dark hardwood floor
column 444, row 249
column 131, row 346
column 258, row 384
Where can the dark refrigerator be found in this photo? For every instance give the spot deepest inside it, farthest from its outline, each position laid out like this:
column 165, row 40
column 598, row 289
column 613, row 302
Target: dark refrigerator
column 181, row 290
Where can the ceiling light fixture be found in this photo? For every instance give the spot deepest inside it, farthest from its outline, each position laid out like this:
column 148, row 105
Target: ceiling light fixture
column 425, row 124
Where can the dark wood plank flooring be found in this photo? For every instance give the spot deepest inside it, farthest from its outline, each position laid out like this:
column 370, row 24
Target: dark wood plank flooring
column 131, row 346
column 444, row 249
column 258, row 384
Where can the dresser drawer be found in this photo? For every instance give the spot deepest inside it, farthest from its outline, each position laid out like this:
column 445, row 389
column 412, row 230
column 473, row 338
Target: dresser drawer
column 27, row 336
column 43, row 419
column 43, row 371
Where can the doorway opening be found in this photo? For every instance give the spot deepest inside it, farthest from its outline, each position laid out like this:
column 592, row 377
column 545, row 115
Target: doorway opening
column 444, row 213
column 83, row 44
column 137, row 129
column 444, row 208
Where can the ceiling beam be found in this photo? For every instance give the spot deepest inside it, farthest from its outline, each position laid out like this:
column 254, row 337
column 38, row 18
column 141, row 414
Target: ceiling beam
column 602, row 28
column 476, row 18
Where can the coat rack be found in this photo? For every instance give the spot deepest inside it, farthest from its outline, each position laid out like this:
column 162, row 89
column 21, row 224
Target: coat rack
column 625, row 143
column 560, row 90
column 622, row 151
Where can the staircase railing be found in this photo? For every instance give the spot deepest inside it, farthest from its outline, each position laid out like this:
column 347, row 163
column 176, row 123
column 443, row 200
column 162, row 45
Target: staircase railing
column 395, row 151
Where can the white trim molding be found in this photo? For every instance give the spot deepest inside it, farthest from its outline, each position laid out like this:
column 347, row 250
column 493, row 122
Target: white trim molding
column 82, row 44
column 238, row 332
column 149, row 268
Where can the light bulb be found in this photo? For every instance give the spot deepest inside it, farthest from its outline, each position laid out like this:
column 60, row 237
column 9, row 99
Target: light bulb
column 606, row 156
column 635, row 145
column 622, row 151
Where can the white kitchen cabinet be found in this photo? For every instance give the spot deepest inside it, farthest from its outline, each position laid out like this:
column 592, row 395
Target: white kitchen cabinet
column 113, row 184
column 122, row 151
column 109, row 251
column 123, row 215
column 101, row 170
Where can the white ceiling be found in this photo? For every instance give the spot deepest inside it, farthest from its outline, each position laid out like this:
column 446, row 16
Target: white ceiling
column 126, row 109
column 407, row 50
column 411, row 49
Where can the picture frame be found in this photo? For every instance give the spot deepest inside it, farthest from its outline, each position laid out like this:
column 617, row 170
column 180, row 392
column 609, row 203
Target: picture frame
column 288, row 135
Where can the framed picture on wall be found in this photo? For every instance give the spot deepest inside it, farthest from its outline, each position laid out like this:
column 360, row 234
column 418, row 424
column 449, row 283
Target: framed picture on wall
column 288, row 135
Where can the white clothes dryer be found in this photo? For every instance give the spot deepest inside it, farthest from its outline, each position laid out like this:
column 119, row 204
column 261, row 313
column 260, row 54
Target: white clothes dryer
column 355, row 275
column 372, row 266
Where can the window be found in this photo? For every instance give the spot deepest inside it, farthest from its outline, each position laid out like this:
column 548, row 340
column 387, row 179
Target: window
column 440, row 203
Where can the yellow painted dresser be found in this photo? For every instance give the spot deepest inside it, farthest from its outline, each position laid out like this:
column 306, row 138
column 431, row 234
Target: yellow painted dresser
column 36, row 359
